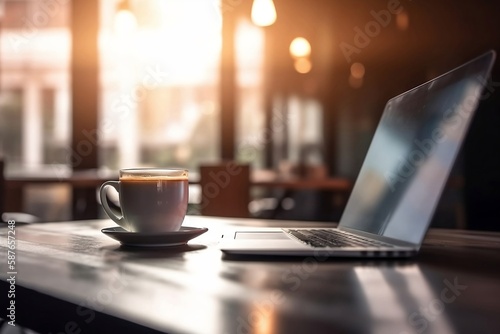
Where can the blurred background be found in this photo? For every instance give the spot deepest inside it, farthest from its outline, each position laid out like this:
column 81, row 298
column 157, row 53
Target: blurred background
column 279, row 85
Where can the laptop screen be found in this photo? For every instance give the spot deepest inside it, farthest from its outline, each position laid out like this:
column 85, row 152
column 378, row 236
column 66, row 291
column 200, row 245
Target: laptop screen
column 412, row 153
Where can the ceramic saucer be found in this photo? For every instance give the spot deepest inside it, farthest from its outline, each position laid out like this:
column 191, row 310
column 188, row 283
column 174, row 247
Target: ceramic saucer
column 163, row 239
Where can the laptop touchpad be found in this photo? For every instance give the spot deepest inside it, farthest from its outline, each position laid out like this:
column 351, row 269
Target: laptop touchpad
column 261, row 235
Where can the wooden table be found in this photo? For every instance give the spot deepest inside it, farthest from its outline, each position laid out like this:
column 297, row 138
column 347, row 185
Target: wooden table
column 271, row 179
column 73, row 279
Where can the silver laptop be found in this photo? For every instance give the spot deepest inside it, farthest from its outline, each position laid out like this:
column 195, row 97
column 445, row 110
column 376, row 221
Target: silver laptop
column 401, row 180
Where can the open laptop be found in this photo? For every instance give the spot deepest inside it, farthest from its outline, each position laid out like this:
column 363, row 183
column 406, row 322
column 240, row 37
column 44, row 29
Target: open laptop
column 401, row 180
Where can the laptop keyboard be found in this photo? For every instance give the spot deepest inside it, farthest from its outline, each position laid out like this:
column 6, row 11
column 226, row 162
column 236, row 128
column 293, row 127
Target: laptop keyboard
column 333, row 238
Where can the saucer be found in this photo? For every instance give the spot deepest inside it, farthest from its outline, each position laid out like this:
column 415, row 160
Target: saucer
column 163, row 239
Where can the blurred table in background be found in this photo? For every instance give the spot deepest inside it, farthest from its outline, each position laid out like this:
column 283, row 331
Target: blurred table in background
column 83, row 186
column 272, row 179
column 310, row 197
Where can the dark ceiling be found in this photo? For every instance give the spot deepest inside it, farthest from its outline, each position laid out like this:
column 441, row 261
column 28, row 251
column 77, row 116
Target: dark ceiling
column 444, row 33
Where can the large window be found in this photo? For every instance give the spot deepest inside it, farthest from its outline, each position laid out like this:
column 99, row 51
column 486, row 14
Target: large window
column 34, row 83
column 250, row 135
column 294, row 130
column 159, row 82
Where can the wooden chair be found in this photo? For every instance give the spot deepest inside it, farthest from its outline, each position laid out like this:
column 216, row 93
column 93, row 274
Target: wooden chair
column 225, row 190
column 18, row 217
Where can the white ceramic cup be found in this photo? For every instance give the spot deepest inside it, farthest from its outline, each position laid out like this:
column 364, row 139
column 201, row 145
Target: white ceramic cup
column 151, row 199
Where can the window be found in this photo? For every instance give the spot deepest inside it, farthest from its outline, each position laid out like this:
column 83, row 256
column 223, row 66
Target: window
column 34, row 83
column 250, row 135
column 159, row 83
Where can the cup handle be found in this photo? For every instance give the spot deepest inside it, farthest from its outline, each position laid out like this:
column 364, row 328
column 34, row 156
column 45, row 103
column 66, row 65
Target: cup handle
column 112, row 213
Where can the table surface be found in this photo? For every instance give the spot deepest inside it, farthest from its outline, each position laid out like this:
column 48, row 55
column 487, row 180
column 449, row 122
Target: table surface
column 72, row 278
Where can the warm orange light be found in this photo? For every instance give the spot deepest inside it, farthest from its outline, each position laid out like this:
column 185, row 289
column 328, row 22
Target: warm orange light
column 300, row 47
column 303, row 65
column 402, row 21
column 263, row 12
column 357, row 70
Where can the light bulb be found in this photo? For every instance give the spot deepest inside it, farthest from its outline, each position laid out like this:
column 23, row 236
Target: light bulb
column 300, row 47
column 263, row 12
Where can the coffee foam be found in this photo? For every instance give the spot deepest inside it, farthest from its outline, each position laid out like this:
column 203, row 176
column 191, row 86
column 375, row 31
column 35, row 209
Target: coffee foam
column 145, row 178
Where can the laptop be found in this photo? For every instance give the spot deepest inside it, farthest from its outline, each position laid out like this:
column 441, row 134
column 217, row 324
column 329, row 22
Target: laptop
column 400, row 182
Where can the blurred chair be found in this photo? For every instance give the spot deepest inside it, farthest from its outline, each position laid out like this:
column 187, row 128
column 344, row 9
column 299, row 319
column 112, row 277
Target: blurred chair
column 225, row 190
column 18, row 217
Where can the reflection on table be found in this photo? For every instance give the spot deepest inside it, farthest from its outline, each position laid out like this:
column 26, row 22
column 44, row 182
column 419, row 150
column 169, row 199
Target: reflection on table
column 70, row 272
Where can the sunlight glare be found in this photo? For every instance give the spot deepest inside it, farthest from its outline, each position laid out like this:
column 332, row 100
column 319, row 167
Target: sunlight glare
column 187, row 44
column 125, row 22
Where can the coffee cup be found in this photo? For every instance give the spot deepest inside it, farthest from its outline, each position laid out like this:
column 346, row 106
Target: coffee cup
column 152, row 200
